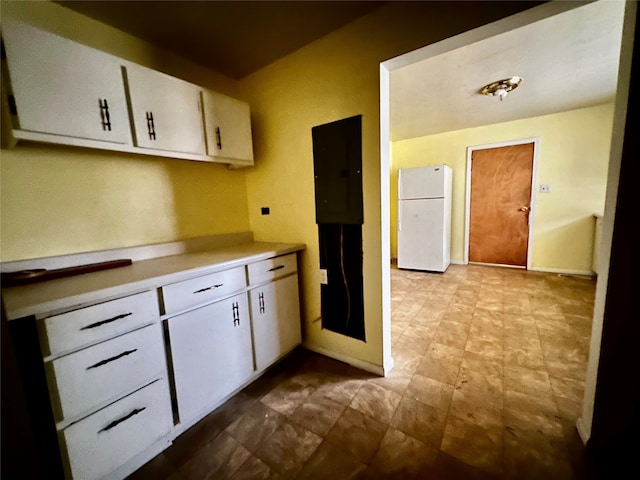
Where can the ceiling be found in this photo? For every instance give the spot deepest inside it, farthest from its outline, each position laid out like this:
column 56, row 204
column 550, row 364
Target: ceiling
column 567, row 61
column 235, row 38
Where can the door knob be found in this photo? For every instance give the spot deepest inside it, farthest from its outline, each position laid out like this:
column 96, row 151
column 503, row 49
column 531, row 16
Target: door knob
column 524, row 209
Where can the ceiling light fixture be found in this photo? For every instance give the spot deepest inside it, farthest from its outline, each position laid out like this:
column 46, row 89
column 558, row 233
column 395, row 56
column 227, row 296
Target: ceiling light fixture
column 502, row 87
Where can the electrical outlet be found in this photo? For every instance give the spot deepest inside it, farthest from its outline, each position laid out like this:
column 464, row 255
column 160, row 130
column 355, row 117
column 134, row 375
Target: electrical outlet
column 545, row 188
column 324, row 280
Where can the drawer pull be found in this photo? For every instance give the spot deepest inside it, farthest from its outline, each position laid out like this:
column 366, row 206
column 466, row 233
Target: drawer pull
column 117, row 422
column 109, row 320
column 212, row 287
column 276, row 268
column 108, row 360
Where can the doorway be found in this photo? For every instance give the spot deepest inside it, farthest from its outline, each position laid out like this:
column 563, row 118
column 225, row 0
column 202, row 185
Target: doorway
column 499, row 200
column 622, row 95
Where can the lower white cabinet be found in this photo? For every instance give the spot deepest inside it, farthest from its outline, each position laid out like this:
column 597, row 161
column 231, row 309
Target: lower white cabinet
column 126, row 375
column 275, row 313
column 108, row 385
column 211, row 355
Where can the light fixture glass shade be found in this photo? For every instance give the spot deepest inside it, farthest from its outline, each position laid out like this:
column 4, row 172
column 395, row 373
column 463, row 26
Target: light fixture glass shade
column 502, row 87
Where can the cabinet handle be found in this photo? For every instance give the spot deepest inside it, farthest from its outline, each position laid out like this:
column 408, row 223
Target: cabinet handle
column 218, row 138
column 261, row 302
column 151, row 126
column 111, row 359
column 212, row 287
column 108, row 320
column 276, row 268
column 117, row 422
column 236, row 314
column 104, row 114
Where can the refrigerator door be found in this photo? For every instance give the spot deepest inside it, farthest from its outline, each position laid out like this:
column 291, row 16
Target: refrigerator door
column 421, row 182
column 421, row 235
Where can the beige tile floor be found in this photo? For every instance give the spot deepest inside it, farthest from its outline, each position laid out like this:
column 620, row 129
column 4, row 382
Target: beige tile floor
column 488, row 383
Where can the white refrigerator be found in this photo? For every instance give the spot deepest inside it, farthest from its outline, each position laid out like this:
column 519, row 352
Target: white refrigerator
column 424, row 218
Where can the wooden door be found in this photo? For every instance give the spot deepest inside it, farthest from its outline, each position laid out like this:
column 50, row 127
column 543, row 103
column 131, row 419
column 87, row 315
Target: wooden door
column 500, row 205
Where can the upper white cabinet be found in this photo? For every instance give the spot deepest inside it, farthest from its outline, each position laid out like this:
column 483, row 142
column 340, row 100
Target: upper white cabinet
column 62, row 92
column 227, row 127
column 63, row 88
column 166, row 111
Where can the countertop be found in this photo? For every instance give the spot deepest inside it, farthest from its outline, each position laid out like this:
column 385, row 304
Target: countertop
column 55, row 296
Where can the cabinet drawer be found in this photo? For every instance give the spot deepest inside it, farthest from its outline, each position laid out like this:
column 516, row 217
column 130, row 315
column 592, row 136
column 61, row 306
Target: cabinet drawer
column 98, row 322
column 110, row 437
column 269, row 269
column 198, row 291
column 97, row 374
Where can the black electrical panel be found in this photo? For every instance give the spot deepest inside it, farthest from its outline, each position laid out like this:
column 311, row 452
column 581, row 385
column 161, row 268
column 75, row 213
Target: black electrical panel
column 337, row 164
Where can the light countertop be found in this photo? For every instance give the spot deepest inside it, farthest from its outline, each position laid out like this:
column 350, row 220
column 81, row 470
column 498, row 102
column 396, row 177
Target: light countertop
column 54, row 296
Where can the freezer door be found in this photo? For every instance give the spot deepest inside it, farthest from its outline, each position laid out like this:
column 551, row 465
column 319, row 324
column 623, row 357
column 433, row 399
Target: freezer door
column 421, row 182
column 421, row 235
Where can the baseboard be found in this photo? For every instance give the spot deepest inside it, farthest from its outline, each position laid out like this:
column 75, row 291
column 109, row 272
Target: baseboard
column 457, row 262
column 499, row 265
column 354, row 362
column 582, row 431
column 563, row 271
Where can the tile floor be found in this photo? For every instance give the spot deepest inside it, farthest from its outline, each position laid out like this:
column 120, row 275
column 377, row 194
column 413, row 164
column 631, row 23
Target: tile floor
column 488, row 382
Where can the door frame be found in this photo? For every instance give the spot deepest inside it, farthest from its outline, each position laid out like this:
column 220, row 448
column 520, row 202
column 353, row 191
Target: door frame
column 532, row 200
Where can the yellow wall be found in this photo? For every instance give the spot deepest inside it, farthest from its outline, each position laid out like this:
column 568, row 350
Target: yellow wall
column 59, row 200
column 573, row 158
column 334, row 78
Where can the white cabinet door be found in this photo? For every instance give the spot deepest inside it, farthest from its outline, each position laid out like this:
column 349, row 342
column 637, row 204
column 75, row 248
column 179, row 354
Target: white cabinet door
column 166, row 111
column 227, row 127
column 211, row 354
column 63, row 88
column 275, row 314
